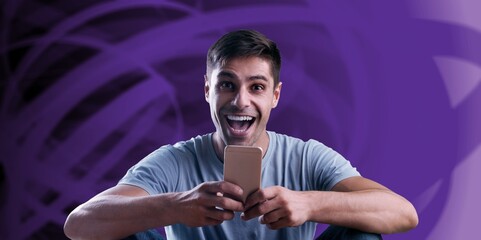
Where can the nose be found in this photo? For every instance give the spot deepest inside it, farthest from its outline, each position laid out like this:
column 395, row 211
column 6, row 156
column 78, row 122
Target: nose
column 241, row 99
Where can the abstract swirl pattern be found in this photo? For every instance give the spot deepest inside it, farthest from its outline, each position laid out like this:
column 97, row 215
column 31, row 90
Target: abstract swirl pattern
column 90, row 87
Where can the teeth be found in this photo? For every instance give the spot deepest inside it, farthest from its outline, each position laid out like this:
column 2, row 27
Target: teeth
column 239, row 118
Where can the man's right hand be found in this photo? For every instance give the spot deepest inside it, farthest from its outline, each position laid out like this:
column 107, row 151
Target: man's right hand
column 110, row 214
column 207, row 204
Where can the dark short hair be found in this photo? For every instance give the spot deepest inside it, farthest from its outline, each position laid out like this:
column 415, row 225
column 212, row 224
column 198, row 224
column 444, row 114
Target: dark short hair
column 244, row 43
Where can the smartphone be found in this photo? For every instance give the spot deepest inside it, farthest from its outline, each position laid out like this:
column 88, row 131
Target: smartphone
column 242, row 166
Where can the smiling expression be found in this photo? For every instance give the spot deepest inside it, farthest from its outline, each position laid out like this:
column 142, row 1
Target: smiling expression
column 241, row 95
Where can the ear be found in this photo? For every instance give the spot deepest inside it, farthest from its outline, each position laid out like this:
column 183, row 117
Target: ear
column 206, row 88
column 277, row 95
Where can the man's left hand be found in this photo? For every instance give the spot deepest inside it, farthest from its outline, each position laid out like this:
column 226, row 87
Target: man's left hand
column 278, row 207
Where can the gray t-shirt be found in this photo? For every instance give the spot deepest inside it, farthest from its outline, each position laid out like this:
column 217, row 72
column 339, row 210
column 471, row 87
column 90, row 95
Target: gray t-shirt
column 289, row 162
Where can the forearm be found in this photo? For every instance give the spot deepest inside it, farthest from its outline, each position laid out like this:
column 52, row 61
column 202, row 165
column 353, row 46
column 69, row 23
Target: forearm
column 377, row 210
column 114, row 216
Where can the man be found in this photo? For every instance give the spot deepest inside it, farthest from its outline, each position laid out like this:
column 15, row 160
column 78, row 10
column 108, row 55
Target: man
column 303, row 183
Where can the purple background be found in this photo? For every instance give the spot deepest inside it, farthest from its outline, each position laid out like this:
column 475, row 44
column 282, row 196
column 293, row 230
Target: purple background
column 90, row 87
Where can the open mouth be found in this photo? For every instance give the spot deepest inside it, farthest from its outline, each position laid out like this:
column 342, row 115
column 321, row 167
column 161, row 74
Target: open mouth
column 240, row 124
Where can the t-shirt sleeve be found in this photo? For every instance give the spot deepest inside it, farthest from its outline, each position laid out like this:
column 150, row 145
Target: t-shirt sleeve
column 156, row 173
column 329, row 166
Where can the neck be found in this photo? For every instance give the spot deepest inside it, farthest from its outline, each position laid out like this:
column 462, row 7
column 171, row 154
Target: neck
column 219, row 144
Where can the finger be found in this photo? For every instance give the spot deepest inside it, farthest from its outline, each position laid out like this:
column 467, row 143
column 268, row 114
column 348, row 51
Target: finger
column 220, row 214
column 259, row 210
column 282, row 223
column 211, row 222
column 231, row 190
column 227, row 203
column 285, row 221
column 272, row 216
column 216, row 199
column 259, row 196
column 226, row 188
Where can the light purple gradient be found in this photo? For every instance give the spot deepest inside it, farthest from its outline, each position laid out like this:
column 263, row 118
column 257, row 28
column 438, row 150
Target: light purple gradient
column 459, row 218
column 461, row 73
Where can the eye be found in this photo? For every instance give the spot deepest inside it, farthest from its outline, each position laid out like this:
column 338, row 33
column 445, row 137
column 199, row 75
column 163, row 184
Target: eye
column 258, row 87
column 226, row 86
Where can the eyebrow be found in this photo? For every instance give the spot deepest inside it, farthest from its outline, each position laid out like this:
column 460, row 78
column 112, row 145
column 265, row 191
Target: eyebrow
column 227, row 74
column 231, row 75
column 258, row 77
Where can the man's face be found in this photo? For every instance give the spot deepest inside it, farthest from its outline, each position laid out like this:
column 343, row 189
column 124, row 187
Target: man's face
column 241, row 95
